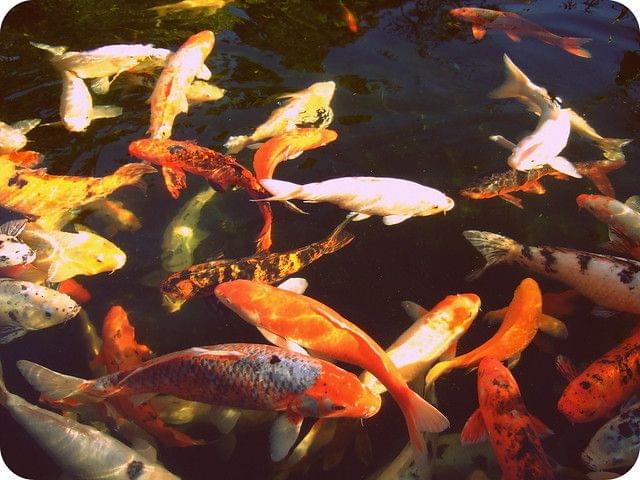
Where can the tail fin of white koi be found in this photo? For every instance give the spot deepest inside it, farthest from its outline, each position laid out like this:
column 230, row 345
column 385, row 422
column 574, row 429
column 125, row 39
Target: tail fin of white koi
column 236, row 144
column 421, row 416
column 53, row 385
column 573, row 45
column 280, row 190
column 493, row 247
column 515, row 84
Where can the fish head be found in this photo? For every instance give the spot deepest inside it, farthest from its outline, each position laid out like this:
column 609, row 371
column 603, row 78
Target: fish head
column 101, row 255
column 582, row 401
column 14, row 252
column 600, row 206
column 460, row 310
column 11, row 139
column 241, row 297
column 151, row 150
column 436, row 203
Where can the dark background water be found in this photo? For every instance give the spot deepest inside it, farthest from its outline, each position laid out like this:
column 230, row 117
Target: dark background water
column 411, row 102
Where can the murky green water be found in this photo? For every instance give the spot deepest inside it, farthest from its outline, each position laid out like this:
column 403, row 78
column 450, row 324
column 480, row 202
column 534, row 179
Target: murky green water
column 411, row 102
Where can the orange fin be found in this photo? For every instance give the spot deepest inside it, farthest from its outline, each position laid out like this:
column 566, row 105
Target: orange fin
column 175, row 179
column 478, row 31
column 574, row 46
column 474, row 431
column 513, row 36
column 566, row 368
column 539, row 427
column 534, row 187
column 284, row 432
column 511, row 199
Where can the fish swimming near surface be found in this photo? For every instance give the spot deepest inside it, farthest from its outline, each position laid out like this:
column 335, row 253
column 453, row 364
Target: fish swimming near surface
column 623, row 220
column 394, row 199
column 605, row 384
column 25, row 306
column 199, row 92
column 53, row 200
column 287, row 146
column 221, row 171
column 182, row 236
column 80, row 450
column 616, row 444
column 349, row 18
column 311, row 324
column 503, row 418
column 250, row 376
column 12, row 250
column 519, row 327
column 13, row 137
column 607, row 281
column 208, row 6
column 306, row 108
column 200, row 279
column 516, row 27
column 169, row 95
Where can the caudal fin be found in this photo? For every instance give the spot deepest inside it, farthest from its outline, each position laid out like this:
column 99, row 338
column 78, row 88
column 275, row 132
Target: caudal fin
column 53, row 385
column 612, row 147
column 515, row 83
column 236, row 144
column 281, row 190
column 573, row 46
column 493, row 247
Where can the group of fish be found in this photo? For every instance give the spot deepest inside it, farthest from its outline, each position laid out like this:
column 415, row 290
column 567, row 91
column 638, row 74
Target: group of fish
column 147, row 400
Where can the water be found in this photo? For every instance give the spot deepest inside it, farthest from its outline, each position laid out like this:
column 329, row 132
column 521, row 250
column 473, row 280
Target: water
column 411, row 102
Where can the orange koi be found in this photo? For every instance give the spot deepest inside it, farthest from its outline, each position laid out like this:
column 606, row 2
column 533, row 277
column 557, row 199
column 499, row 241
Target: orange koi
column 287, row 146
column 516, row 27
column 313, row 325
column 520, row 325
column 503, row 418
column 350, row 18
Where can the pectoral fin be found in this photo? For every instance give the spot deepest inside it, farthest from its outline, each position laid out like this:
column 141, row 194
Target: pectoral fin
column 512, row 200
column 13, row 228
column 495, row 316
column 552, row 326
column 535, row 187
column 204, row 73
column 564, row 166
column 394, row 219
column 513, row 36
column 414, row 310
column 105, row 111
column 295, row 285
column 224, row 418
column 450, row 352
column 357, row 217
column 478, row 31
column 284, row 432
column 281, row 342
column 474, row 431
column 633, row 203
column 175, row 179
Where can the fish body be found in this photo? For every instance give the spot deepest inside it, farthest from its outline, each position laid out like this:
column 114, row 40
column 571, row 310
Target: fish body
column 182, row 236
column 287, row 146
column 306, row 108
column 211, row 6
column 605, row 384
column 393, row 199
column 349, row 18
column 312, row 325
column 616, row 444
column 13, row 138
column 607, row 281
column 516, row 27
column 56, row 199
column 520, row 325
column 169, row 95
column 511, row 429
column 25, row 306
column 268, row 268
column 12, row 250
column 221, row 171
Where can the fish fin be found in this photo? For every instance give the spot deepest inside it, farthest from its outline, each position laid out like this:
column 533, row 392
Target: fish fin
column 54, row 385
column 295, row 285
column 573, row 45
column 255, row 146
column 503, row 142
column 280, row 190
column 236, row 144
column 515, row 83
column 421, row 416
column 10, row 331
column 54, row 50
column 601, row 312
column 100, row 86
column 450, row 352
column 414, row 310
column 566, row 368
column 137, row 400
column 478, row 31
column 25, row 126
column 601, row 182
column 13, row 228
column 563, row 165
column 474, row 430
column 203, row 73
column 224, row 418
column 612, row 147
column 225, row 446
column 394, row 219
column 632, row 202
column 175, row 179
column 358, row 217
column 284, row 433
column 105, row 111
column 281, row 342
column 26, row 158
column 514, row 37
column 493, row 247
column 495, row 316
column 535, row 187
column 512, row 199
column 436, row 372
column 513, row 361
column 33, row 275
column 294, row 208
column 552, row 326
column 539, row 427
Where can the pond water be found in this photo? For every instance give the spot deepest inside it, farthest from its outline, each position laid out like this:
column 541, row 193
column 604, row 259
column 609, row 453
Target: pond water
column 411, row 102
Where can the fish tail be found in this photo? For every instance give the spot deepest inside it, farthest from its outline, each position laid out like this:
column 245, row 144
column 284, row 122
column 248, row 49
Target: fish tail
column 237, row 143
column 54, row 385
column 263, row 242
column 56, row 51
column 612, row 147
column 515, row 84
column 573, row 46
column 281, row 190
column 436, row 372
column 132, row 173
column 493, row 247
column 339, row 238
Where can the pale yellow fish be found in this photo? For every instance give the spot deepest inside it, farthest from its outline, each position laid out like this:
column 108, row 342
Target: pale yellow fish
column 209, row 6
column 306, row 108
column 200, row 91
column 13, row 137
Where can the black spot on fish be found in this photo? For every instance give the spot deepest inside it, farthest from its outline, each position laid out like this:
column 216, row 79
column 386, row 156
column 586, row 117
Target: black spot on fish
column 526, row 252
column 583, row 262
column 176, row 149
column 23, row 287
column 12, row 315
column 625, row 430
column 134, row 469
column 17, row 181
column 585, row 385
column 627, row 275
column 549, row 260
column 274, row 359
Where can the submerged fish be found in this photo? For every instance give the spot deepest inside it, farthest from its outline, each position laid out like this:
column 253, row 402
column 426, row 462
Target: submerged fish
column 25, row 306
column 55, row 199
column 115, row 216
column 394, row 199
column 349, row 18
column 520, row 325
column 221, row 171
column 182, row 236
column 605, row 280
column 516, row 27
column 169, row 95
column 12, row 250
column 604, row 385
column 287, row 146
column 258, row 377
column 211, row 6
column 12, row 137
column 268, row 268
column 503, row 418
column 311, row 324
column 306, row 108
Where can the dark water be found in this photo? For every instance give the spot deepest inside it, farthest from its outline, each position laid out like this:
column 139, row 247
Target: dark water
column 411, row 102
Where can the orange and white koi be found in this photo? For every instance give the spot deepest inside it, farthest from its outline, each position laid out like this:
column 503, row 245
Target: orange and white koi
column 13, row 137
column 513, row 432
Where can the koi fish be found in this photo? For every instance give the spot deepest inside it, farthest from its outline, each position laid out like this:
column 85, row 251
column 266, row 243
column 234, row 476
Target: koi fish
column 287, row 146
column 394, row 199
column 267, row 268
column 616, row 443
column 623, row 220
column 55, row 199
column 517, row 85
column 211, row 6
column 515, row 27
column 13, row 251
column 25, row 306
column 547, row 323
column 115, row 216
column 250, row 376
column 199, row 92
column 306, row 108
column 310, row 324
column 13, row 137
column 503, row 418
column 605, row 384
column 221, row 171
column 605, row 280
column 169, row 95
column 520, row 325
column 349, row 18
